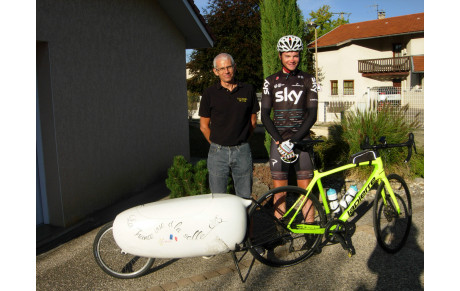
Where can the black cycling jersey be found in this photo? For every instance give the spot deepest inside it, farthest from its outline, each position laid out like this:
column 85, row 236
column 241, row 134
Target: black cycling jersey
column 294, row 100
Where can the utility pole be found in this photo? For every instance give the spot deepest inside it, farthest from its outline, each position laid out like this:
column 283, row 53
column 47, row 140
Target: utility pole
column 314, row 25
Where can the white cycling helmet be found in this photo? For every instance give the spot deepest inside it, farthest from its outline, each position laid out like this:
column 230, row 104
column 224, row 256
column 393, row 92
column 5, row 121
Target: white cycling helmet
column 290, row 43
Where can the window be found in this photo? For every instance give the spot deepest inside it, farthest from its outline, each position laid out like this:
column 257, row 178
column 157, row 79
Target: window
column 397, row 50
column 348, row 87
column 334, row 87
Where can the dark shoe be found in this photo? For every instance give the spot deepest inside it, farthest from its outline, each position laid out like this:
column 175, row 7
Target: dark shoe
column 309, row 241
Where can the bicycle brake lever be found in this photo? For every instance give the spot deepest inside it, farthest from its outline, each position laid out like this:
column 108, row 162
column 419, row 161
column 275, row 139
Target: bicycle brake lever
column 410, row 143
column 409, row 154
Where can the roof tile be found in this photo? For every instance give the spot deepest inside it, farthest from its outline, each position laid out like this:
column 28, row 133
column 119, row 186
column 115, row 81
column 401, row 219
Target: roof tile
column 372, row 28
column 419, row 63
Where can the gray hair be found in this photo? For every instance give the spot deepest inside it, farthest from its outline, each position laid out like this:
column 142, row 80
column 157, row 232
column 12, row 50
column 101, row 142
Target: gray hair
column 222, row 56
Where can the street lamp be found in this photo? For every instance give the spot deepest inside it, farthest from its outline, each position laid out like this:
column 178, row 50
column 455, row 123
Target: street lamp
column 314, row 25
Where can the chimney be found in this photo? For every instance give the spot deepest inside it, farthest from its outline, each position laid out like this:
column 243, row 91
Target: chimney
column 381, row 15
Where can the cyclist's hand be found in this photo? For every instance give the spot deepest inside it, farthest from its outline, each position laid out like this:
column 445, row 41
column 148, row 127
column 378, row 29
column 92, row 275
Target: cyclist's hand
column 286, row 152
column 285, row 148
column 287, row 145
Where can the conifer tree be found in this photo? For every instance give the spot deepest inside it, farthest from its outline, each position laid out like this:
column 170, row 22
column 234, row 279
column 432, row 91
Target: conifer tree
column 279, row 18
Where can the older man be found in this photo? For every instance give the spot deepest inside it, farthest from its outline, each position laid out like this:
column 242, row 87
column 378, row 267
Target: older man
column 228, row 116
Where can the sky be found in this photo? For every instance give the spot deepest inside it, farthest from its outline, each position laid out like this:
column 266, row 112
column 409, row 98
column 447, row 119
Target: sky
column 361, row 10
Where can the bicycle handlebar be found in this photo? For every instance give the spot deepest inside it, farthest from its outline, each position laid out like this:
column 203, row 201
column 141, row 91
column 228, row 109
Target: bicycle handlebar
column 384, row 145
column 305, row 145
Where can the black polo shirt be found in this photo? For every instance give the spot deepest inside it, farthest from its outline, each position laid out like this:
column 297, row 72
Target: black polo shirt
column 230, row 112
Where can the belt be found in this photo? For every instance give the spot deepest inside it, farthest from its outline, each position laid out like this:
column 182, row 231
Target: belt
column 233, row 146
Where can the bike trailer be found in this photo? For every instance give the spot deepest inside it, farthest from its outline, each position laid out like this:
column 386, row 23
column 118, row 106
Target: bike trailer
column 191, row 226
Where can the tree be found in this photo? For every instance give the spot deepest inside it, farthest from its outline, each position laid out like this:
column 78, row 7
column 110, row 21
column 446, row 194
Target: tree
column 323, row 18
column 192, row 103
column 236, row 29
column 279, row 18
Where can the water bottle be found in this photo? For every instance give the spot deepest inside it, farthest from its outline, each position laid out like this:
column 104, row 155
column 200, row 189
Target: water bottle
column 333, row 201
column 348, row 197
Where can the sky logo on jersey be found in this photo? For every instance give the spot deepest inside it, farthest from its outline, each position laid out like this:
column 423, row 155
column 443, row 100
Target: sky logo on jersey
column 314, row 86
column 266, row 84
column 285, row 96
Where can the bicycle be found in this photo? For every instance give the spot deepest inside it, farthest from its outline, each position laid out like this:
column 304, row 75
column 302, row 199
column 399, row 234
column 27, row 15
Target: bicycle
column 392, row 214
column 272, row 241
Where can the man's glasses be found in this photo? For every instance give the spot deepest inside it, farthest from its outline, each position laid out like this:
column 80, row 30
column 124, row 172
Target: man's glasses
column 229, row 68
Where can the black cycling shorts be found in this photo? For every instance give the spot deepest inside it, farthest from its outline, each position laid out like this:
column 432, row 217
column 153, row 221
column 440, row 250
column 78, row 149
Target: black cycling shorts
column 280, row 170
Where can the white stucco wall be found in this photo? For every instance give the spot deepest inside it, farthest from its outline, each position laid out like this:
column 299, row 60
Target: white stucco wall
column 118, row 98
column 416, row 47
column 341, row 64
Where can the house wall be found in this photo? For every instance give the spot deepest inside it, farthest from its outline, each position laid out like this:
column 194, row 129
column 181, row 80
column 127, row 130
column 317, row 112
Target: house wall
column 112, row 99
column 415, row 47
column 341, row 63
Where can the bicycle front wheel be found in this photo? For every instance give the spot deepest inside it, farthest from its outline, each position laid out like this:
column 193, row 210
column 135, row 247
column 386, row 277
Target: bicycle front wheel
column 391, row 228
column 270, row 240
column 113, row 260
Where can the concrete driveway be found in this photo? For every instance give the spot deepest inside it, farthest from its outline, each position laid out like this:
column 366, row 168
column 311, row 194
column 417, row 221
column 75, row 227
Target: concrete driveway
column 71, row 266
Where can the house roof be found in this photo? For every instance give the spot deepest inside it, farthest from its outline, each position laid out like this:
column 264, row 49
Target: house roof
column 188, row 19
column 418, row 64
column 372, row 29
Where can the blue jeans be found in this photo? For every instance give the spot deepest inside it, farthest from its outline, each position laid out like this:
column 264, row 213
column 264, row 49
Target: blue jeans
column 238, row 159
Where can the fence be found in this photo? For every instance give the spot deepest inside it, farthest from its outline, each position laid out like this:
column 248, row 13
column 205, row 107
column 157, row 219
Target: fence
column 333, row 108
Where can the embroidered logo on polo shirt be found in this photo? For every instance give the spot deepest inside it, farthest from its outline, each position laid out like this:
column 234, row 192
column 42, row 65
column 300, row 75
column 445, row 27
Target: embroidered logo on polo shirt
column 242, row 99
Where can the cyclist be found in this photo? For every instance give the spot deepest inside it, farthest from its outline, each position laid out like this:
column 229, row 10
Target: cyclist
column 293, row 96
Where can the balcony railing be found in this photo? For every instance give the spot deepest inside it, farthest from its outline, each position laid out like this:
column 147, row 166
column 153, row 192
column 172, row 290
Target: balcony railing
column 387, row 65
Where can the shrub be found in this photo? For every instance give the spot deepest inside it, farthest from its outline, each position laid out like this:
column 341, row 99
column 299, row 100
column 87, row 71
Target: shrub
column 185, row 180
column 201, row 177
column 388, row 121
column 333, row 151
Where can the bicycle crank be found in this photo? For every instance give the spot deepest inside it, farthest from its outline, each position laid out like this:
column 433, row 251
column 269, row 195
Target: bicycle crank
column 338, row 231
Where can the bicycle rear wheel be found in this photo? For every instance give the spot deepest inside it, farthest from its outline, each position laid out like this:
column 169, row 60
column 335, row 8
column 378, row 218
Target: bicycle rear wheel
column 113, row 260
column 390, row 228
column 271, row 242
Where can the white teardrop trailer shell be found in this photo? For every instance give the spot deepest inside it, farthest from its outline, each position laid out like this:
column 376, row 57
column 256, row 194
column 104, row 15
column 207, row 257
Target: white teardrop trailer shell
column 191, row 226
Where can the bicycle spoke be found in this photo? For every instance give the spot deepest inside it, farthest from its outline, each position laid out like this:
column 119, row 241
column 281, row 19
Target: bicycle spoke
column 281, row 246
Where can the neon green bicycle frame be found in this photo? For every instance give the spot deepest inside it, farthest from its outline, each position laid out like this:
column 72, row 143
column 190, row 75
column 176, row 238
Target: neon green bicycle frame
column 377, row 175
